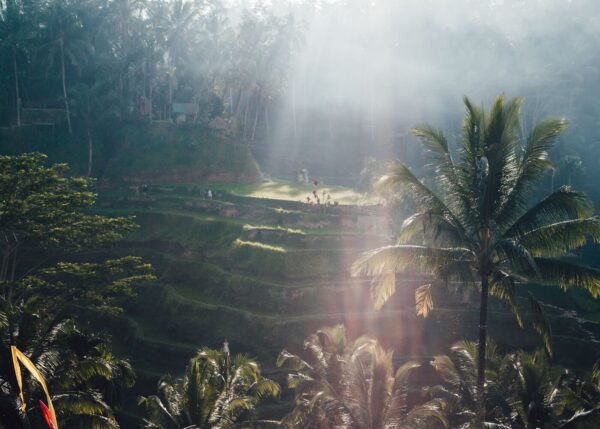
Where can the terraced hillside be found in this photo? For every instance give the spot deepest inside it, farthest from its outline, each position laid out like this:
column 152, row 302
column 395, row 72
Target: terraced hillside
column 263, row 273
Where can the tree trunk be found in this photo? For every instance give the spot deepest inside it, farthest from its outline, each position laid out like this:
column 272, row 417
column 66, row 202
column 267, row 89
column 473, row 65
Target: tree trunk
column 481, row 364
column 246, row 117
column 64, row 85
column 371, row 111
column 267, row 123
column 144, row 79
column 294, row 110
column 17, row 95
column 90, row 152
column 5, row 263
column 256, row 113
column 169, row 108
column 150, row 101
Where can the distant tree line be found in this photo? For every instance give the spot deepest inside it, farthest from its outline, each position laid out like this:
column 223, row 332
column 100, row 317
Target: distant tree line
column 132, row 60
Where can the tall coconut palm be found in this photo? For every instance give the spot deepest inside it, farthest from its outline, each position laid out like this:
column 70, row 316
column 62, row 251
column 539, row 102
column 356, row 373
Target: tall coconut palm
column 477, row 224
column 94, row 104
column 65, row 43
column 353, row 385
column 12, row 35
column 171, row 20
column 218, row 391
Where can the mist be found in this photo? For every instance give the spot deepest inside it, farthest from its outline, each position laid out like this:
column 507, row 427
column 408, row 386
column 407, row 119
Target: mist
column 369, row 71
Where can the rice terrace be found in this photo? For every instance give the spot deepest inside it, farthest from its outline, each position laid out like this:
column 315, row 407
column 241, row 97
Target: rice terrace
column 312, row 214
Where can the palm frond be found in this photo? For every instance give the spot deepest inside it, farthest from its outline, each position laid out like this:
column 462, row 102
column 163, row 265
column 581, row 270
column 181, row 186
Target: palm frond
column 515, row 257
column 404, row 371
column 399, row 176
column 259, row 424
column 385, row 262
column 568, row 275
column 500, row 130
column 424, row 300
column 561, row 205
column 431, row 411
column 157, row 413
column 558, row 238
column 291, row 361
column 397, row 258
column 443, row 168
column 502, row 286
column 589, row 419
column 434, row 227
column 534, row 162
column 541, row 323
column 446, row 369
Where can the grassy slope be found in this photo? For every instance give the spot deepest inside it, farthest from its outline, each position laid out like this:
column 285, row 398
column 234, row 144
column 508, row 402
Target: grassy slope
column 229, row 276
column 264, row 286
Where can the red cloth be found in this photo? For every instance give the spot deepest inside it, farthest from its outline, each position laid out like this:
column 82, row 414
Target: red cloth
column 47, row 415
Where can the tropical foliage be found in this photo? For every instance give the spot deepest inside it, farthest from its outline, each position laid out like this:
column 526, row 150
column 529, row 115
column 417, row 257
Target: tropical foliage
column 84, row 378
column 523, row 390
column 477, row 225
column 217, row 391
column 356, row 385
column 45, row 298
column 104, row 61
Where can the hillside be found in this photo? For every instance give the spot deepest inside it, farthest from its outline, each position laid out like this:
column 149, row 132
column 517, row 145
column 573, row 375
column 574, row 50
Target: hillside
column 259, row 267
column 141, row 153
column 262, row 277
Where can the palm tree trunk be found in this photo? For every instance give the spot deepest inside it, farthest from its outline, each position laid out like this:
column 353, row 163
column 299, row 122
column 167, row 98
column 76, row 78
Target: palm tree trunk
column 64, row 85
column 90, row 152
column 256, row 112
column 371, row 111
column 17, row 95
column 295, row 123
column 330, row 127
column 480, row 407
column 150, row 102
column 267, row 123
column 246, row 117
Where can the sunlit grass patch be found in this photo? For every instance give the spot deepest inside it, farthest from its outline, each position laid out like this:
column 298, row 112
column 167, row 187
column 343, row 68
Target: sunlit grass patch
column 249, row 227
column 293, row 191
column 258, row 245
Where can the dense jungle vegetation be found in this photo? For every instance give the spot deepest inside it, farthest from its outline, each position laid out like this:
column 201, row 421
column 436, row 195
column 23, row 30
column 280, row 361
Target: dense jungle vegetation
column 235, row 214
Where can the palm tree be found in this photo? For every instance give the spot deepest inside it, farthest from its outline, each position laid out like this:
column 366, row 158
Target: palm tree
column 458, row 384
column 476, row 224
column 318, row 374
column 94, row 104
column 354, row 386
column 170, row 21
column 217, row 391
column 12, row 30
column 78, row 367
column 540, row 396
column 65, row 40
column 523, row 390
column 582, row 395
